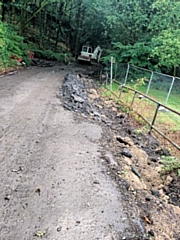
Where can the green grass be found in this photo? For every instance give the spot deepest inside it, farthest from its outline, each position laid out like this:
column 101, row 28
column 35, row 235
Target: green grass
column 170, row 164
column 166, row 122
column 160, row 96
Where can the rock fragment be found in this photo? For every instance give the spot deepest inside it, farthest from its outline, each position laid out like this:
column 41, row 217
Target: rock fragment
column 126, row 153
column 155, row 192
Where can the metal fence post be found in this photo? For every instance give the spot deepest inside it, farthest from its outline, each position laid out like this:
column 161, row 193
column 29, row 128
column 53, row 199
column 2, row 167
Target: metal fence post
column 147, row 91
column 120, row 91
column 127, row 72
column 111, row 76
column 135, row 93
column 170, row 90
column 107, row 79
column 115, row 70
column 154, row 118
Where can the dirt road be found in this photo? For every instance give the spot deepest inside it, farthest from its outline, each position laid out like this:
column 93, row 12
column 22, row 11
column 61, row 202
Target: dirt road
column 53, row 183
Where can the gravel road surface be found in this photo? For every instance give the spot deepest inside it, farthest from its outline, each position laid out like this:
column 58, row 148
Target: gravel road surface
column 53, row 183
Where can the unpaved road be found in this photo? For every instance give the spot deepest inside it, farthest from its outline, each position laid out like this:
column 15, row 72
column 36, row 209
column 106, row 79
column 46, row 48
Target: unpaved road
column 53, row 183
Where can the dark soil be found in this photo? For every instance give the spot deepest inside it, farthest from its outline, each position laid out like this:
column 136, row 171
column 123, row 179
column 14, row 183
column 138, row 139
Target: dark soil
column 173, row 190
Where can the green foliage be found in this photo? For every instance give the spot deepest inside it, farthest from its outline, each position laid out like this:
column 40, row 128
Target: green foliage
column 170, row 164
column 10, row 45
column 166, row 16
column 167, row 48
column 137, row 54
column 139, row 82
column 3, row 50
column 144, row 33
column 49, row 54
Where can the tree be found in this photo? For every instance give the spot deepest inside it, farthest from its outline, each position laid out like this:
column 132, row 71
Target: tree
column 166, row 49
column 145, row 33
column 166, row 41
column 10, row 45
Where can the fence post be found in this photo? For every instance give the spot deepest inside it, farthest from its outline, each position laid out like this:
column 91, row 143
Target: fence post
column 147, row 91
column 120, row 90
column 111, row 76
column 170, row 90
column 115, row 70
column 127, row 72
column 107, row 79
column 154, row 118
column 135, row 93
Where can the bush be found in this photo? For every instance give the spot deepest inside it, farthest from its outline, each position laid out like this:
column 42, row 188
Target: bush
column 10, row 45
column 49, row 54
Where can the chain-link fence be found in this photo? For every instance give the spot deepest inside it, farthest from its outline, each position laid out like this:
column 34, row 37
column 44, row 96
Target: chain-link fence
column 161, row 87
column 153, row 96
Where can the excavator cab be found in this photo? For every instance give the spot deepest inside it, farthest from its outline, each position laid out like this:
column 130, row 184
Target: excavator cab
column 88, row 55
column 87, row 49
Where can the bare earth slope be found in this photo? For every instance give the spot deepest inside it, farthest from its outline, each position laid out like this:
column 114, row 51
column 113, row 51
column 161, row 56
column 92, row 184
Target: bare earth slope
column 53, row 183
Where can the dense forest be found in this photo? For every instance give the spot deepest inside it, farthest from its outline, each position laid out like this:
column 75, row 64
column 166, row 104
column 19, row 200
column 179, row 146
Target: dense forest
column 144, row 33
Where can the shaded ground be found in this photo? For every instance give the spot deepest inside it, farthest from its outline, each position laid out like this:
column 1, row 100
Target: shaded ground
column 54, row 181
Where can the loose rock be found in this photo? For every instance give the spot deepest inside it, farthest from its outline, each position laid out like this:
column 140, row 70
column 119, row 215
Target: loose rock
column 126, row 153
column 155, row 193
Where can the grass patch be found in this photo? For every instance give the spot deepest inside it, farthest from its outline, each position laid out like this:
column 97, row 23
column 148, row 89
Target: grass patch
column 147, row 107
column 160, row 96
column 170, row 164
column 166, row 121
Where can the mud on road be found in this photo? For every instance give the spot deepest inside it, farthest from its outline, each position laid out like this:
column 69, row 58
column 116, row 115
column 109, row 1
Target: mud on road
column 53, row 181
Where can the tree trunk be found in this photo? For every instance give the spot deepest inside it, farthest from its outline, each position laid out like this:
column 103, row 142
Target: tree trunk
column 24, row 23
column 77, row 33
column 40, row 30
column 174, row 72
column 59, row 15
column 3, row 10
column 57, row 38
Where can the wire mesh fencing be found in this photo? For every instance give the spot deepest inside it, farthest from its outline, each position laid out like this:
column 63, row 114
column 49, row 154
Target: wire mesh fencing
column 161, row 87
column 155, row 97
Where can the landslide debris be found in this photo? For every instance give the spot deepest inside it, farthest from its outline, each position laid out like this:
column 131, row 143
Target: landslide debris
column 137, row 153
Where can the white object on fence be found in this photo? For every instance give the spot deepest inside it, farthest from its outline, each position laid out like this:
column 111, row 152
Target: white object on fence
column 172, row 83
column 127, row 72
column 149, row 83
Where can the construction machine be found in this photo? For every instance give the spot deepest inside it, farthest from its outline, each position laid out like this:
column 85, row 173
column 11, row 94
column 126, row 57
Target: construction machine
column 89, row 55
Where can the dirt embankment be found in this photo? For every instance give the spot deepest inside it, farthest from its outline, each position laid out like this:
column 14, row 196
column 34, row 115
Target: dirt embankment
column 138, row 166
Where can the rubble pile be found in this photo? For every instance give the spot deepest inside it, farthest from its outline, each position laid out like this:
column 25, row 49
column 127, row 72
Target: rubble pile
column 41, row 63
column 75, row 97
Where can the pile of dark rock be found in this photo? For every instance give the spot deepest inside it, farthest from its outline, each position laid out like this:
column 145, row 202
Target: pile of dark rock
column 74, row 95
column 41, row 63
